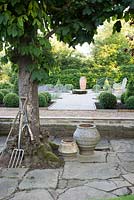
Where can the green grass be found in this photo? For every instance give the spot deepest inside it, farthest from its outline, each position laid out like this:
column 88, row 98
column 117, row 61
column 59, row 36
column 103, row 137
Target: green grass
column 130, row 197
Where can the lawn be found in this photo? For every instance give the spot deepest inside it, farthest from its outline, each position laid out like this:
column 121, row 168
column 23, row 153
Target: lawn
column 130, row 197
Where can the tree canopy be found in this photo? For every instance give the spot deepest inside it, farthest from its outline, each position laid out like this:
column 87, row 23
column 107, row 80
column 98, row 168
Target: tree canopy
column 76, row 21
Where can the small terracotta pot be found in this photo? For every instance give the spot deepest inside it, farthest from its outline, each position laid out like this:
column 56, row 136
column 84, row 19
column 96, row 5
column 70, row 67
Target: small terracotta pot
column 68, row 148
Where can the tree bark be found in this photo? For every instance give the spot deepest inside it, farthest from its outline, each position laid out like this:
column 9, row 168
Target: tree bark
column 29, row 89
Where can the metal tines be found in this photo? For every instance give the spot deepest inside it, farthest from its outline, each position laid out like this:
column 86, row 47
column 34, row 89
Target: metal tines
column 16, row 158
column 18, row 153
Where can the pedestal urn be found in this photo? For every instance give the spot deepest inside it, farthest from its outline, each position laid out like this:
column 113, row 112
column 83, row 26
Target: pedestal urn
column 86, row 137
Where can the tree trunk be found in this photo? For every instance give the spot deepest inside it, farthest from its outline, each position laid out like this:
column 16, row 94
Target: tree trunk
column 29, row 89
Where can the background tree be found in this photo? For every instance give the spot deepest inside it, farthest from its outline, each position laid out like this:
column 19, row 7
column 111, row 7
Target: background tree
column 109, row 51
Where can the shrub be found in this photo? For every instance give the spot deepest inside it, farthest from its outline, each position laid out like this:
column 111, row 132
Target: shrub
column 6, row 85
column 4, row 91
column 130, row 89
column 106, row 86
column 123, row 98
column 69, row 86
column 47, row 95
column 11, row 100
column 42, row 100
column 96, row 88
column 107, row 100
column 58, row 87
column 16, row 86
column 130, row 102
column 1, row 97
column 55, row 96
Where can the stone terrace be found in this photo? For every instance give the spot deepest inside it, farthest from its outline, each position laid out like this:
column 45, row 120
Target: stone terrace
column 104, row 175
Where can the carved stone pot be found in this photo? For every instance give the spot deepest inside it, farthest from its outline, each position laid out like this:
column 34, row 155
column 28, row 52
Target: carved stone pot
column 86, row 137
column 68, row 148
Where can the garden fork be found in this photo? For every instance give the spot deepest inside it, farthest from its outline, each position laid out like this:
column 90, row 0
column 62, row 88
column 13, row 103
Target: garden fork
column 18, row 153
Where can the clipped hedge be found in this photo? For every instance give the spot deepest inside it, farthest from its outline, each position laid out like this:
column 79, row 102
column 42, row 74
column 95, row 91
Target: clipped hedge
column 130, row 102
column 130, row 89
column 42, row 100
column 107, row 100
column 11, row 100
column 47, row 95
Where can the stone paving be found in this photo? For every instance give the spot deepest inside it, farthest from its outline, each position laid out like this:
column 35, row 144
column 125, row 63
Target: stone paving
column 108, row 173
column 69, row 101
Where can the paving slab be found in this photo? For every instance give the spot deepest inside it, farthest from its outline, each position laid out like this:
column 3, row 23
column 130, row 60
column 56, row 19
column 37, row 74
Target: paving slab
column 74, row 183
column 97, row 157
column 84, row 193
column 37, row 179
column 132, row 189
column 108, row 185
column 76, row 170
column 7, row 187
column 112, row 157
column 127, row 157
column 123, row 145
column 129, row 177
column 13, row 172
column 33, row 195
column 122, row 191
column 128, row 166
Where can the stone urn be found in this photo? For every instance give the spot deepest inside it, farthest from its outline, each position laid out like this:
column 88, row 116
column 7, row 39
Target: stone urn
column 83, row 83
column 86, row 137
column 68, row 148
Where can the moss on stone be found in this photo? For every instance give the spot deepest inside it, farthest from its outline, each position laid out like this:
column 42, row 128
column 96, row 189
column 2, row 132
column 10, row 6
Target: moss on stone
column 46, row 154
column 53, row 145
column 50, row 156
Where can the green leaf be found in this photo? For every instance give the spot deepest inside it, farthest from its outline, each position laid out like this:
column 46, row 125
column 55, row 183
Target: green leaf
column 87, row 11
column 20, row 21
column 1, row 18
column 13, row 2
column 4, row 60
column 117, row 26
column 25, row 17
column 65, row 30
column 7, row 16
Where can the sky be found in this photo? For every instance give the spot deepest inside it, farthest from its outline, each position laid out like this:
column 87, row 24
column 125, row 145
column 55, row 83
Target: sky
column 85, row 49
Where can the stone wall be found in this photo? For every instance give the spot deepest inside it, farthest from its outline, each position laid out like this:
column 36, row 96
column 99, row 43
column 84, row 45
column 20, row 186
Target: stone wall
column 65, row 127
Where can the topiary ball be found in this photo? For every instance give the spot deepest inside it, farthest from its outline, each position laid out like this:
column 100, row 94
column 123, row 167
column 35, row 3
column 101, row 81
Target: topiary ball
column 42, row 101
column 130, row 89
column 47, row 95
column 107, row 100
column 1, row 97
column 11, row 100
column 130, row 102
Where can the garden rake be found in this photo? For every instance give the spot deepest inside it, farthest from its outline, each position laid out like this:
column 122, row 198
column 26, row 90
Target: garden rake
column 18, row 153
